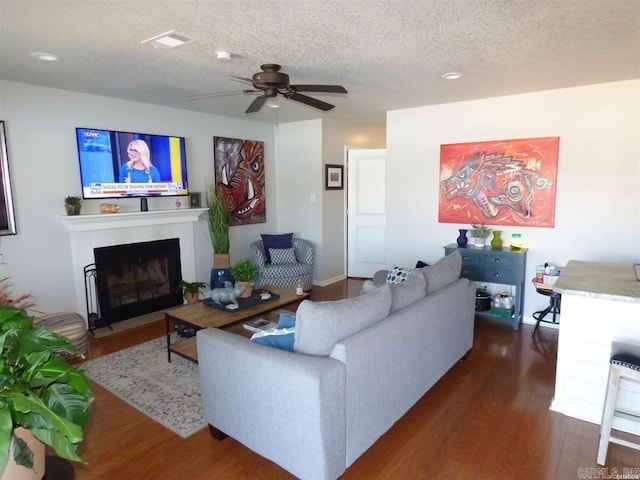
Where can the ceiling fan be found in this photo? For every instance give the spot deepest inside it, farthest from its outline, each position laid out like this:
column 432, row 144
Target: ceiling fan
column 271, row 81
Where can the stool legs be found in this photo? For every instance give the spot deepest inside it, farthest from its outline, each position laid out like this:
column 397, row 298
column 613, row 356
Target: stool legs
column 553, row 308
column 607, row 413
column 616, row 372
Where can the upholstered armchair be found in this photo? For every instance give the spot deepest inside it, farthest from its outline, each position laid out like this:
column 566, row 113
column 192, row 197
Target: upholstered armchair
column 283, row 270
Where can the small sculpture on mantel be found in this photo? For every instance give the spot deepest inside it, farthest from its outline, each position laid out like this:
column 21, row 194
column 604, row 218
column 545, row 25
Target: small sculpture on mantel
column 109, row 208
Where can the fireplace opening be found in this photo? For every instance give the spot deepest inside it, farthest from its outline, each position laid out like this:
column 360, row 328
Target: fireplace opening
column 137, row 278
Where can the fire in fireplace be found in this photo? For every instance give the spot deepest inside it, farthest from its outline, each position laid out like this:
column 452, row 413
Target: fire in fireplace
column 137, row 278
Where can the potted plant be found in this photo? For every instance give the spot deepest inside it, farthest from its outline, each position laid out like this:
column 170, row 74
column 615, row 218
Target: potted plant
column 244, row 272
column 191, row 290
column 218, row 220
column 40, row 393
column 480, row 233
column 72, row 205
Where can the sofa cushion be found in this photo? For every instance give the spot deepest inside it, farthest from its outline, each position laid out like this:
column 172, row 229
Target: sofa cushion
column 443, row 272
column 281, row 338
column 397, row 274
column 320, row 325
column 403, row 293
column 282, row 255
column 410, row 291
column 284, row 240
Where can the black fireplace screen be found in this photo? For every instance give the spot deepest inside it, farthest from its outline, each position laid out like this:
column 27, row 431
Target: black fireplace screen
column 137, row 278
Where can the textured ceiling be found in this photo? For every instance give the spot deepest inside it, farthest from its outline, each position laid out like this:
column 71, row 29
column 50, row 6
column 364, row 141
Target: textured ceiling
column 388, row 54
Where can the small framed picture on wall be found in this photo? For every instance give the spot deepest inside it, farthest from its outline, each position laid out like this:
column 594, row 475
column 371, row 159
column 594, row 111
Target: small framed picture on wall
column 334, row 177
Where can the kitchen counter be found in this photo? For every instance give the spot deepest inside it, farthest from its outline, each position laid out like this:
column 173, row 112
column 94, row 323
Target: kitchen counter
column 610, row 281
column 600, row 304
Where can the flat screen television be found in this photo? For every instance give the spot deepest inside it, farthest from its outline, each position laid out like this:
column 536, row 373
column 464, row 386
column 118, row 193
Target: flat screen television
column 125, row 164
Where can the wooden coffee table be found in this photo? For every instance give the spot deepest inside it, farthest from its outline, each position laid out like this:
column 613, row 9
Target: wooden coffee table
column 201, row 316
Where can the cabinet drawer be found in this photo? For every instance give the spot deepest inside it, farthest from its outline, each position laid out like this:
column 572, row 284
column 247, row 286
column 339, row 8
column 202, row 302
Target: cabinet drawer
column 497, row 275
column 497, row 260
column 489, row 275
column 470, row 259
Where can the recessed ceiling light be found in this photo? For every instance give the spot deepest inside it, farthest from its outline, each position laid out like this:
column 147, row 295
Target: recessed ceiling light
column 452, row 75
column 223, row 56
column 47, row 57
column 169, row 39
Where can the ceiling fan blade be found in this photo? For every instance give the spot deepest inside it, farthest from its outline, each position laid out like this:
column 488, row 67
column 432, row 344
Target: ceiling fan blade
column 319, row 88
column 312, row 102
column 242, row 79
column 205, row 96
column 256, row 105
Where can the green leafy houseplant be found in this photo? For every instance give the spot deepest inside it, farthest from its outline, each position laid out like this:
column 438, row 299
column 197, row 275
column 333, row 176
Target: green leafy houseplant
column 244, row 271
column 191, row 288
column 218, row 220
column 72, row 205
column 71, row 200
column 39, row 390
column 480, row 231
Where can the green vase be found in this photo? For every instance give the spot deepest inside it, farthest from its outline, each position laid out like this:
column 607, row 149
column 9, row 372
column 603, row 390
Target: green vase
column 496, row 241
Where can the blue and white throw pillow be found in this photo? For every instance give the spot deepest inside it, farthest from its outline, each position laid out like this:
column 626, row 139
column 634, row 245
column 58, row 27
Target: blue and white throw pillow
column 281, row 338
column 397, row 275
column 276, row 241
column 282, row 255
column 287, row 320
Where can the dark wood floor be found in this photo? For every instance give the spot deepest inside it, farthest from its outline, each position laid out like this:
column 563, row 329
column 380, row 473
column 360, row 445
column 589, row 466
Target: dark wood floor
column 488, row 418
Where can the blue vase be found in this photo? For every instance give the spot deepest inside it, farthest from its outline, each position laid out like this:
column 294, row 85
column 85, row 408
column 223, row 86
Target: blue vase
column 462, row 238
column 219, row 276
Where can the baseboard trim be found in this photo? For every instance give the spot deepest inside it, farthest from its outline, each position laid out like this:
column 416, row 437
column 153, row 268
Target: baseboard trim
column 329, row 281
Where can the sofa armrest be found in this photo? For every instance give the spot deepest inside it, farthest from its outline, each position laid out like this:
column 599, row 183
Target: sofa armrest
column 287, row 407
column 380, row 277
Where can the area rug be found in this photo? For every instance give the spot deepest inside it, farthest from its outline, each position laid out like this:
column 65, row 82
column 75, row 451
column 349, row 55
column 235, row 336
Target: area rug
column 169, row 393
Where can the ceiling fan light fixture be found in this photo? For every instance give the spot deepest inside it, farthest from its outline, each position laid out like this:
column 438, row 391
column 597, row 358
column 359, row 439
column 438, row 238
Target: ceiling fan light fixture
column 223, row 56
column 272, row 102
column 452, row 75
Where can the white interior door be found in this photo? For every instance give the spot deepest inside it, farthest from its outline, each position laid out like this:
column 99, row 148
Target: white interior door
column 366, row 212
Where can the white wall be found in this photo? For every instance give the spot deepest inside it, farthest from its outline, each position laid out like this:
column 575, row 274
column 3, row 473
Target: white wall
column 335, row 137
column 299, row 183
column 40, row 126
column 305, row 207
column 598, row 184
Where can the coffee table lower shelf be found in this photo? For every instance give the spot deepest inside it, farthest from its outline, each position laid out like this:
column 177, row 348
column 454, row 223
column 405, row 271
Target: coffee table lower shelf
column 186, row 348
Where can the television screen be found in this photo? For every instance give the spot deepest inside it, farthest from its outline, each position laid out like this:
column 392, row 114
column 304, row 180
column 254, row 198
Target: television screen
column 123, row 164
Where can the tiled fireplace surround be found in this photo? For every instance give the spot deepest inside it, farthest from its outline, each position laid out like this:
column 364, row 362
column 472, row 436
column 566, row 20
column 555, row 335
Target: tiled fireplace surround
column 87, row 232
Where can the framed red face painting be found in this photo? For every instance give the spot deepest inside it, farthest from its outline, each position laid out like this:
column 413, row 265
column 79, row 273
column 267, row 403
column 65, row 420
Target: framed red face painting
column 240, row 178
column 502, row 182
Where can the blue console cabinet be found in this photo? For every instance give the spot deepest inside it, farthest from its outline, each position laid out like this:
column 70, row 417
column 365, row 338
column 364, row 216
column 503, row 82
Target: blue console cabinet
column 505, row 266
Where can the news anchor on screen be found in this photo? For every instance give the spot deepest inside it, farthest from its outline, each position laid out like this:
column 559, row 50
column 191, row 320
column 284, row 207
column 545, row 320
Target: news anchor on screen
column 139, row 168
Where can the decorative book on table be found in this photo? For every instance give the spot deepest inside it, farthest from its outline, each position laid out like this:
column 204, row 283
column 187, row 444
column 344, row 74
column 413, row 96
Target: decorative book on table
column 259, row 325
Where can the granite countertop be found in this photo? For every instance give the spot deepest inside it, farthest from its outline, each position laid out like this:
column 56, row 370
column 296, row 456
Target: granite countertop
column 609, row 281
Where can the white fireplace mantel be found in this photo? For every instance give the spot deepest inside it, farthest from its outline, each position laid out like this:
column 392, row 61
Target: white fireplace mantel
column 87, row 232
column 103, row 221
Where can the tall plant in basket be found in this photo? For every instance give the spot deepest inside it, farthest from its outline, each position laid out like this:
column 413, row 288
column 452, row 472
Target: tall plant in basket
column 218, row 219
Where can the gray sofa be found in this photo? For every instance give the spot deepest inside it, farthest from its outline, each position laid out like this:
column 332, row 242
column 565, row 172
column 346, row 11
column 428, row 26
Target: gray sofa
column 359, row 365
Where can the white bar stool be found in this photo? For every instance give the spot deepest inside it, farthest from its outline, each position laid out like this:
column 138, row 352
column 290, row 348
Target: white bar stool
column 624, row 363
